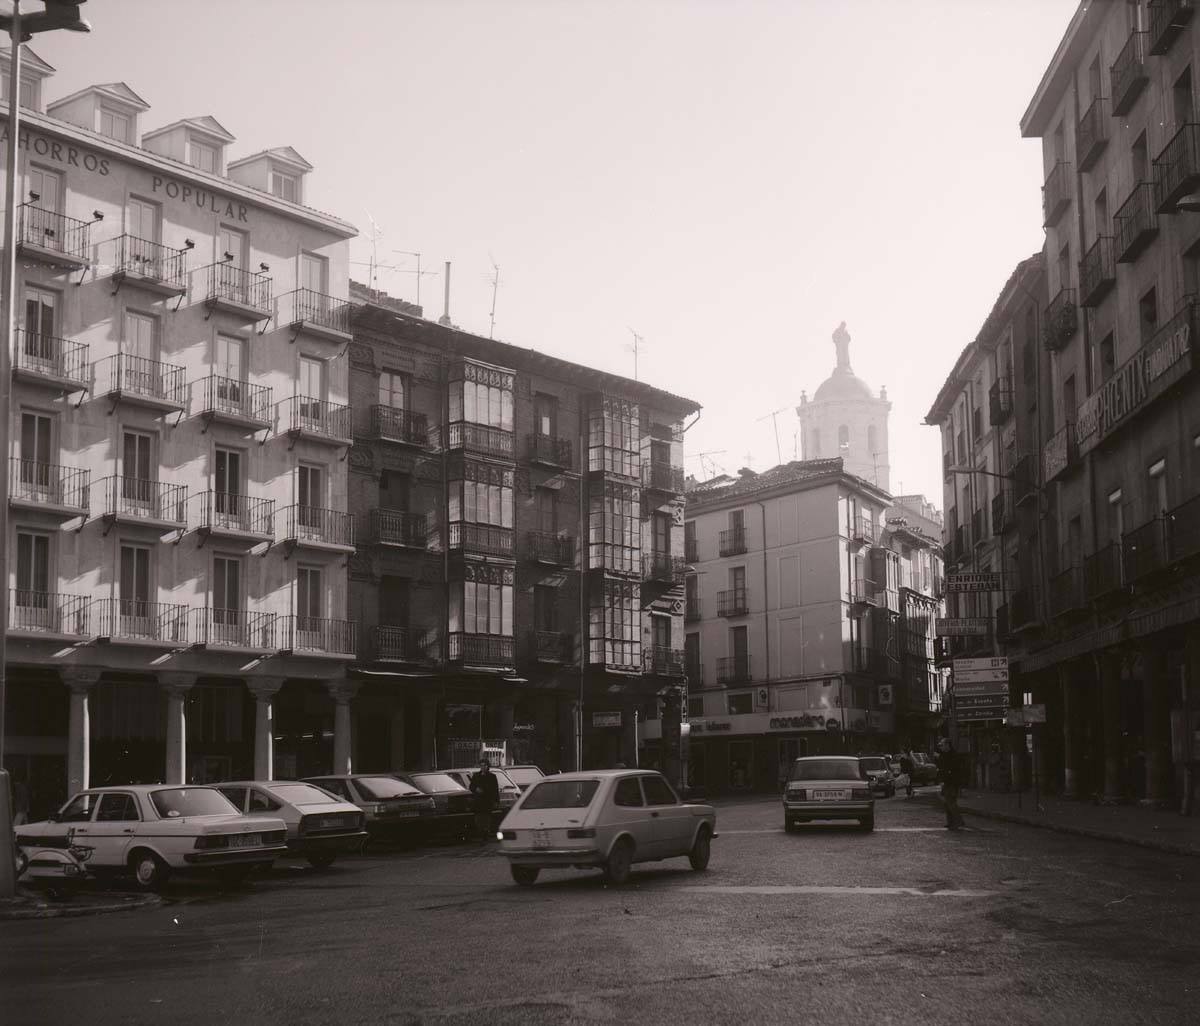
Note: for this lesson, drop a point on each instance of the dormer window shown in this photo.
(116, 125)
(202, 156)
(29, 92)
(286, 187)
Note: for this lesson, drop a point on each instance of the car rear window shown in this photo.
(171, 803)
(873, 764)
(524, 774)
(378, 788)
(826, 769)
(561, 794)
(301, 794)
(433, 782)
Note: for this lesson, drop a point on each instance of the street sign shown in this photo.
(980, 688)
(965, 715)
(999, 676)
(981, 663)
(606, 719)
(1034, 713)
(980, 701)
(963, 626)
(973, 582)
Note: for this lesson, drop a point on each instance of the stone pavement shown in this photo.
(31, 904)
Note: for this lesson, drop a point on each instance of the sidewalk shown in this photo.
(1164, 830)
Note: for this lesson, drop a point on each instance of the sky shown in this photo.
(729, 179)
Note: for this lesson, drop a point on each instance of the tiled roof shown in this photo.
(795, 472)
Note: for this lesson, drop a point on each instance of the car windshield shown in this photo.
(825, 769)
(172, 803)
(873, 764)
(432, 783)
(384, 787)
(561, 794)
(506, 784)
(302, 794)
(524, 774)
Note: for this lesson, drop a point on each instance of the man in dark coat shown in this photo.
(485, 791)
(950, 773)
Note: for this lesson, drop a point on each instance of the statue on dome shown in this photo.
(841, 339)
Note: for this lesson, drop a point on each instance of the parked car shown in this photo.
(924, 769)
(608, 819)
(523, 776)
(319, 825)
(394, 809)
(827, 787)
(454, 812)
(509, 791)
(879, 774)
(154, 830)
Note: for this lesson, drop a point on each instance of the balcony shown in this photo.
(663, 568)
(1177, 168)
(550, 548)
(404, 644)
(1003, 512)
(398, 527)
(53, 238)
(662, 478)
(238, 291)
(733, 602)
(550, 647)
(135, 500)
(1144, 550)
(1062, 320)
(63, 492)
(317, 636)
(487, 650)
(1023, 609)
(663, 661)
(691, 609)
(1128, 76)
(1183, 530)
(150, 266)
(481, 539)
(240, 630)
(134, 622)
(1167, 20)
(48, 614)
(315, 313)
(479, 438)
(1092, 134)
(1097, 272)
(1065, 593)
(312, 527)
(864, 592)
(407, 427)
(45, 360)
(1060, 453)
(1025, 479)
(316, 420)
(1056, 193)
(237, 403)
(233, 517)
(732, 542)
(1102, 572)
(864, 529)
(549, 451)
(734, 670)
(1000, 402)
(142, 382)
(1135, 223)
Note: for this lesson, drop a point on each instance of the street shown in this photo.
(830, 925)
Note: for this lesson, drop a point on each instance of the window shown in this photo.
(1095, 79)
(33, 570)
(137, 471)
(37, 346)
(309, 598)
(1148, 314)
(739, 648)
(1070, 405)
(116, 125)
(47, 187)
(614, 444)
(695, 707)
(658, 791)
(545, 608)
(311, 390)
(484, 397)
(628, 794)
(140, 340)
(486, 605)
(1116, 518)
(546, 510)
(395, 490)
(227, 475)
(285, 186)
(80, 809)
(1140, 158)
(691, 591)
(1100, 208)
(310, 495)
(231, 247)
(485, 497)
(977, 424)
(661, 631)
(660, 534)
(1158, 487)
(393, 390)
(615, 625)
(36, 454)
(1107, 358)
(1181, 98)
(843, 437)
(134, 589)
(227, 589)
(229, 363)
(614, 527)
(260, 801)
(28, 91)
(142, 221)
(741, 704)
(691, 657)
(314, 273)
(395, 596)
(737, 584)
(689, 540)
(202, 156)
(545, 415)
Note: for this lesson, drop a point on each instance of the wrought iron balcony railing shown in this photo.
(550, 646)
(139, 379)
(234, 628)
(315, 525)
(1144, 549)
(393, 425)
(863, 528)
(547, 547)
(1128, 76)
(399, 527)
(48, 612)
(1092, 134)
(482, 539)
(136, 498)
(1135, 223)
(122, 619)
(316, 418)
(732, 542)
(1025, 478)
(315, 310)
(663, 567)
(1168, 18)
(151, 263)
(864, 592)
(549, 451)
(1000, 401)
(480, 438)
(1183, 529)
(662, 477)
(239, 400)
(733, 602)
(404, 644)
(231, 513)
(56, 359)
(1062, 320)
(316, 635)
(47, 484)
(1102, 572)
(1177, 168)
(663, 661)
(52, 236)
(239, 288)
(480, 649)
(734, 670)
(1097, 271)
(1056, 193)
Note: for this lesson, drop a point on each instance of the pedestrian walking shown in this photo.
(485, 791)
(906, 768)
(950, 773)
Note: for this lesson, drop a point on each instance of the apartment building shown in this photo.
(178, 533)
(519, 575)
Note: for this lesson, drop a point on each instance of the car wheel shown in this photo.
(321, 861)
(149, 871)
(526, 876)
(868, 822)
(701, 850)
(620, 862)
(20, 862)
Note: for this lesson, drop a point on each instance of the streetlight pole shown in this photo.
(58, 14)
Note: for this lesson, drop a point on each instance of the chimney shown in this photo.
(445, 318)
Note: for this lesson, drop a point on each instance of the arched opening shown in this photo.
(843, 438)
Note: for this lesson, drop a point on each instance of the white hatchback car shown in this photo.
(606, 819)
(152, 830)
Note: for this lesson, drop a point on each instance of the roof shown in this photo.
(114, 90)
(206, 123)
(795, 475)
(29, 59)
(843, 383)
(1057, 76)
(280, 154)
(603, 774)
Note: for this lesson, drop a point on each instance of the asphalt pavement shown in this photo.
(909, 924)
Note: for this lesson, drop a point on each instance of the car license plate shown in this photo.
(408, 812)
(328, 823)
(541, 838)
(245, 841)
(831, 796)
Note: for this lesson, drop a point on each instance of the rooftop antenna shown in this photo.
(774, 415)
(638, 344)
(495, 289)
(376, 235)
(708, 465)
(418, 272)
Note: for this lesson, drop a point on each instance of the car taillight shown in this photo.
(506, 835)
(214, 841)
(581, 832)
(798, 794)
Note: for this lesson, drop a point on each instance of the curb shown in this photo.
(35, 908)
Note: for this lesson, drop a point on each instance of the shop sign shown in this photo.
(710, 726)
(1055, 455)
(805, 721)
(973, 582)
(606, 719)
(524, 728)
(963, 626)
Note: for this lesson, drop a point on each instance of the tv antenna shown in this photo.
(708, 466)
(376, 235)
(774, 415)
(495, 289)
(418, 272)
(635, 347)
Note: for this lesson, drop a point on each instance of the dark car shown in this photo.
(454, 803)
(509, 792)
(395, 810)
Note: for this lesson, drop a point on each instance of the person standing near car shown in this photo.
(950, 772)
(485, 791)
(906, 768)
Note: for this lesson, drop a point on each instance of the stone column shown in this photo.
(177, 686)
(429, 706)
(343, 740)
(1070, 724)
(1110, 706)
(79, 740)
(1157, 729)
(264, 690)
(629, 731)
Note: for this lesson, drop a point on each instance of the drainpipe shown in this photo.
(766, 591)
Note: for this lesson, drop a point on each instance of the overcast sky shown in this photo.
(728, 178)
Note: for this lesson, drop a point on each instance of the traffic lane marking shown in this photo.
(855, 829)
(778, 889)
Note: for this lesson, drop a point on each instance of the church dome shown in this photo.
(843, 383)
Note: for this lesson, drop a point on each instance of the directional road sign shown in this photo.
(980, 701)
(982, 663)
(980, 676)
(965, 715)
(980, 688)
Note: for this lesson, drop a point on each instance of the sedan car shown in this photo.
(509, 791)
(154, 830)
(394, 810)
(453, 802)
(924, 769)
(524, 776)
(607, 819)
(827, 787)
(319, 825)
(879, 774)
